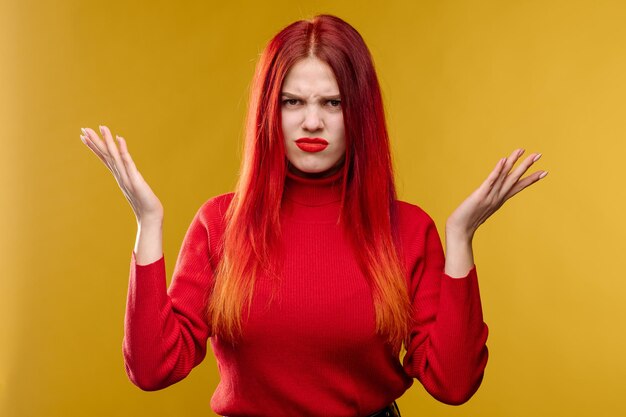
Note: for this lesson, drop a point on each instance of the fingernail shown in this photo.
(543, 174)
(82, 129)
(101, 130)
(536, 158)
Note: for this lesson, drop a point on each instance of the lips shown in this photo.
(312, 144)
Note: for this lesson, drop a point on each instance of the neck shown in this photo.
(313, 191)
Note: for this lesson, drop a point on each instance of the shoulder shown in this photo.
(418, 233)
(412, 216)
(217, 205)
(211, 213)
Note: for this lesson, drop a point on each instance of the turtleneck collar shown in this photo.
(313, 191)
(312, 200)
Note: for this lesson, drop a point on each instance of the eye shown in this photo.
(334, 103)
(290, 101)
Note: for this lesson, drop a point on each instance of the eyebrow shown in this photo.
(290, 95)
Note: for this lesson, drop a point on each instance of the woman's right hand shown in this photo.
(144, 202)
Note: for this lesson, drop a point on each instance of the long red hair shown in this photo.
(253, 222)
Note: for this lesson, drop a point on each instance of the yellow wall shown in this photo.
(465, 83)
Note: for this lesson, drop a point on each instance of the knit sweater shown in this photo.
(314, 352)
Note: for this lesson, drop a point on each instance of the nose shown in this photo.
(312, 120)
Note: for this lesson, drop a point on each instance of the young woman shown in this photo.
(311, 278)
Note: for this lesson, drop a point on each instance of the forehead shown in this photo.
(310, 76)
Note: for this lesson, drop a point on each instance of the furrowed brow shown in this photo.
(290, 95)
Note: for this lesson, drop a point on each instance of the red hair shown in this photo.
(253, 225)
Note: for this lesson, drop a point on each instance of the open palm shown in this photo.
(499, 186)
(143, 201)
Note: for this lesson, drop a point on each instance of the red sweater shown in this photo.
(315, 353)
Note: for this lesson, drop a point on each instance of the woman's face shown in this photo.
(311, 109)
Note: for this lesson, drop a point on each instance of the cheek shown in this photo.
(287, 131)
(288, 121)
(341, 131)
(284, 125)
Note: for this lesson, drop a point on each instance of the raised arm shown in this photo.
(165, 331)
(447, 349)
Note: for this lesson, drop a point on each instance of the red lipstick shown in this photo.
(312, 144)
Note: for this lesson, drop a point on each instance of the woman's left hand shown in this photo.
(491, 195)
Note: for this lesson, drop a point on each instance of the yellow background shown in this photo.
(464, 82)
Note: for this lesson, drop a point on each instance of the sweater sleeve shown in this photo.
(446, 350)
(166, 331)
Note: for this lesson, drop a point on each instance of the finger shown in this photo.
(129, 164)
(100, 146)
(134, 174)
(107, 152)
(136, 179)
(486, 188)
(493, 176)
(118, 165)
(525, 182)
(510, 161)
(125, 157)
(512, 179)
(87, 141)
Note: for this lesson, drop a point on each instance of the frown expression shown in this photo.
(311, 108)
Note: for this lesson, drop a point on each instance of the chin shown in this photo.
(315, 170)
(304, 169)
